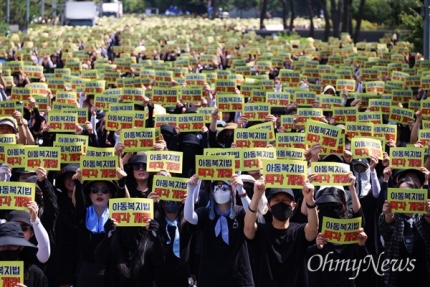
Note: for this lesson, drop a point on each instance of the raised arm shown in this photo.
(356, 205)
(311, 228)
(237, 185)
(250, 227)
(193, 187)
(43, 245)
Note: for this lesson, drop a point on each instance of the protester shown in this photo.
(14, 247)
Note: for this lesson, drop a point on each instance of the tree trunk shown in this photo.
(345, 16)
(263, 10)
(359, 18)
(292, 15)
(311, 18)
(335, 18)
(326, 19)
(284, 13)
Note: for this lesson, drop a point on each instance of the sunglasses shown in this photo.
(139, 166)
(25, 227)
(95, 189)
(223, 187)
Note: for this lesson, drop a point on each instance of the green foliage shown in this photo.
(133, 6)
(413, 22)
(376, 11)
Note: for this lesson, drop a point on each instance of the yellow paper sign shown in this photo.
(363, 147)
(7, 139)
(215, 167)
(70, 152)
(47, 157)
(164, 160)
(330, 173)
(11, 273)
(138, 139)
(250, 138)
(407, 200)
(290, 153)
(235, 152)
(60, 122)
(358, 129)
(324, 134)
(16, 195)
(131, 211)
(252, 158)
(389, 132)
(284, 173)
(294, 140)
(407, 157)
(170, 188)
(401, 115)
(230, 103)
(96, 168)
(119, 120)
(341, 231)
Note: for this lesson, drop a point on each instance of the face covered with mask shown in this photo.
(331, 202)
(362, 174)
(171, 206)
(9, 253)
(222, 192)
(281, 206)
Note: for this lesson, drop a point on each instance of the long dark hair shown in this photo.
(131, 181)
(408, 181)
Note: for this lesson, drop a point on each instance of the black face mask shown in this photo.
(281, 211)
(9, 255)
(332, 212)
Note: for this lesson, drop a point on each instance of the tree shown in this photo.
(412, 21)
(284, 13)
(311, 17)
(326, 19)
(263, 11)
(292, 15)
(358, 20)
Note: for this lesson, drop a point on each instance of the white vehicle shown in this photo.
(77, 13)
(112, 9)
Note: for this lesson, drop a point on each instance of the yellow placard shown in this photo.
(407, 157)
(250, 138)
(256, 111)
(284, 173)
(131, 211)
(100, 151)
(401, 115)
(190, 122)
(102, 101)
(94, 86)
(70, 139)
(14, 155)
(295, 140)
(389, 132)
(170, 188)
(133, 95)
(407, 200)
(138, 139)
(230, 103)
(12, 273)
(7, 139)
(215, 167)
(346, 84)
(60, 122)
(341, 231)
(281, 99)
(290, 153)
(47, 157)
(64, 97)
(165, 96)
(374, 117)
(363, 147)
(97, 168)
(119, 120)
(252, 158)
(164, 160)
(70, 152)
(235, 152)
(330, 173)
(7, 108)
(192, 94)
(20, 94)
(345, 114)
(16, 195)
(326, 135)
(304, 114)
(358, 129)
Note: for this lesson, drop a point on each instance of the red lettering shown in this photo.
(21, 201)
(225, 173)
(10, 281)
(108, 173)
(340, 178)
(140, 217)
(243, 143)
(75, 156)
(130, 143)
(34, 163)
(139, 123)
(332, 235)
(259, 144)
(50, 163)
(5, 200)
(414, 162)
(206, 172)
(397, 205)
(416, 206)
(88, 173)
(173, 166)
(146, 142)
(179, 194)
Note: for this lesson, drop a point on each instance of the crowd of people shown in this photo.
(235, 232)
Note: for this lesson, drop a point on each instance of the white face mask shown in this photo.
(221, 196)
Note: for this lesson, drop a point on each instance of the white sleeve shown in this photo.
(189, 214)
(43, 245)
(245, 200)
(376, 187)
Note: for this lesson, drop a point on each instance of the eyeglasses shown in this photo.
(95, 189)
(139, 166)
(25, 227)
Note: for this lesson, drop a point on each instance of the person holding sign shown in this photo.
(407, 242)
(91, 202)
(332, 205)
(281, 244)
(14, 247)
(224, 251)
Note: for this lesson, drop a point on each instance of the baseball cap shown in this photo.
(274, 191)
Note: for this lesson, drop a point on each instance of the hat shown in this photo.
(10, 123)
(333, 157)
(224, 181)
(20, 215)
(362, 161)
(191, 139)
(70, 168)
(330, 194)
(168, 129)
(273, 191)
(11, 234)
(138, 158)
(220, 123)
(112, 186)
(328, 87)
(401, 173)
(247, 178)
